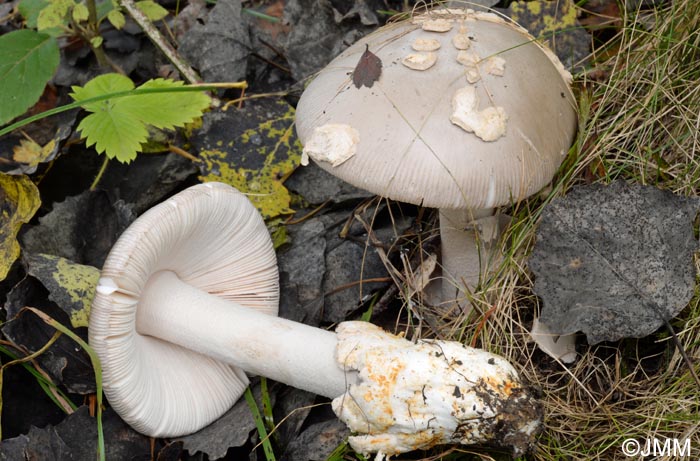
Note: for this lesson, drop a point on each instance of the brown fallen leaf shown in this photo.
(368, 70)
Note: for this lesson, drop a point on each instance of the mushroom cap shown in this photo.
(213, 238)
(406, 143)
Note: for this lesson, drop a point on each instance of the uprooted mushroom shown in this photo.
(187, 303)
(470, 113)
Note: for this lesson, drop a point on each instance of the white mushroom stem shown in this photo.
(394, 395)
(289, 352)
(467, 237)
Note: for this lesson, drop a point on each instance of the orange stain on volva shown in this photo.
(502, 387)
(380, 391)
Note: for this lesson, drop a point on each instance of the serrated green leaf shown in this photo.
(103, 84)
(110, 128)
(118, 127)
(28, 59)
(116, 18)
(152, 10)
(167, 110)
(54, 15)
(114, 131)
(80, 12)
(30, 9)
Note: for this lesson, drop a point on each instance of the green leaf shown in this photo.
(103, 9)
(118, 127)
(30, 9)
(152, 10)
(55, 14)
(19, 200)
(116, 18)
(111, 128)
(103, 84)
(28, 60)
(96, 42)
(115, 132)
(167, 110)
(80, 12)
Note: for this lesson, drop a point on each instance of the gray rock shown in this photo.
(319, 33)
(347, 265)
(302, 267)
(317, 442)
(318, 186)
(82, 228)
(615, 261)
(291, 411)
(233, 429)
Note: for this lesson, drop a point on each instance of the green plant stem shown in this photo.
(22, 360)
(100, 173)
(258, 14)
(93, 31)
(92, 13)
(48, 386)
(266, 405)
(260, 425)
(97, 367)
(119, 94)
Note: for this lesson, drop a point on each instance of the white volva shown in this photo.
(415, 395)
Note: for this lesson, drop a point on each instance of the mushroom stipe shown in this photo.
(187, 304)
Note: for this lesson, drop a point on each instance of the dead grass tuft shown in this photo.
(640, 121)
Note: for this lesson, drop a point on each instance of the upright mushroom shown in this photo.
(186, 305)
(470, 113)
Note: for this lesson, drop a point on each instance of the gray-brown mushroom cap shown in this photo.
(213, 238)
(400, 137)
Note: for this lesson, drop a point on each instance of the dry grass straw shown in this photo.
(640, 121)
(643, 119)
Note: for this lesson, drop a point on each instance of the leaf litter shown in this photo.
(19, 200)
(64, 363)
(71, 286)
(320, 271)
(253, 149)
(615, 261)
